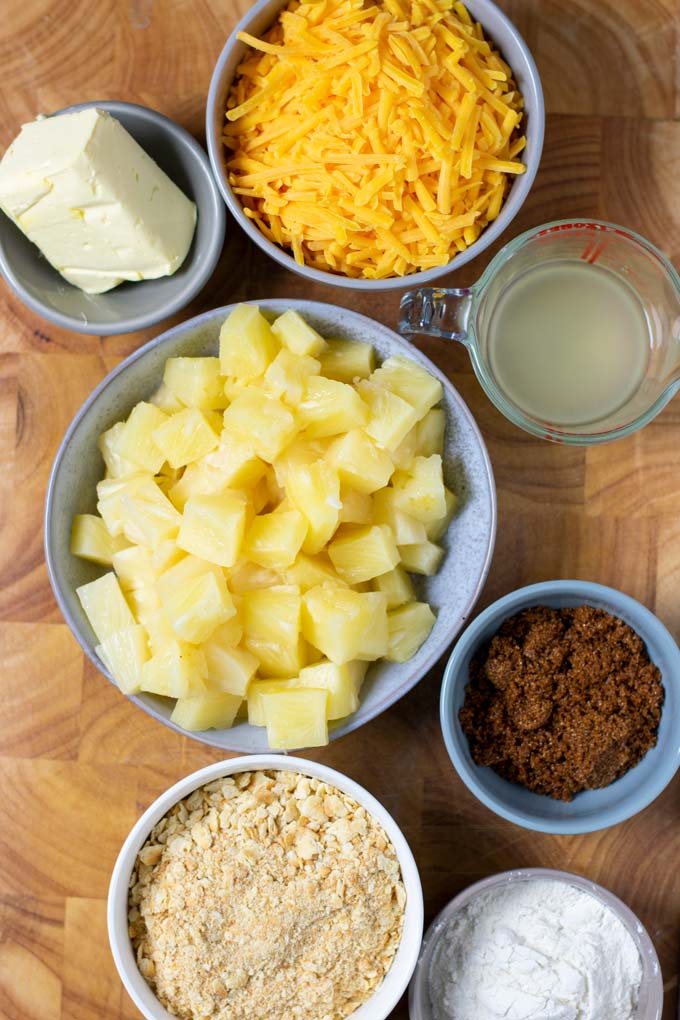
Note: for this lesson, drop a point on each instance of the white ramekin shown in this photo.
(386, 996)
(650, 1004)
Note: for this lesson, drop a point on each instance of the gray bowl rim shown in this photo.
(509, 210)
(631, 921)
(275, 303)
(500, 610)
(194, 285)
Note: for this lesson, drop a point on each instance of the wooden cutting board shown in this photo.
(78, 763)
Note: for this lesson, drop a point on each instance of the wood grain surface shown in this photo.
(78, 763)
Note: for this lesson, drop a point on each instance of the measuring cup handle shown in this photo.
(435, 311)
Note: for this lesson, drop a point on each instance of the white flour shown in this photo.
(535, 950)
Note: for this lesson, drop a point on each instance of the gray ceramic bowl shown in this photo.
(515, 51)
(452, 592)
(650, 1001)
(592, 809)
(130, 306)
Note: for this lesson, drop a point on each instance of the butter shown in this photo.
(98, 207)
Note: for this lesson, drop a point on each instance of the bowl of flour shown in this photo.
(536, 944)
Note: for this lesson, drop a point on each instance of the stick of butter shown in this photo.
(98, 207)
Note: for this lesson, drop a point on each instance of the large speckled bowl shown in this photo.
(452, 592)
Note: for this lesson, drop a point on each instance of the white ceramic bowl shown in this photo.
(386, 996)
(452, 592)
(650, 1004)
(499, 29)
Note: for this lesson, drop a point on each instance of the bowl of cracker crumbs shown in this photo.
(374, 146)
(265, 887)
(560, 707)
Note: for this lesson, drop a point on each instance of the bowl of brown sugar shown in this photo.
(560, 707)
(265, 887)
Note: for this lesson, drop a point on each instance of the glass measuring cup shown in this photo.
(465, 315)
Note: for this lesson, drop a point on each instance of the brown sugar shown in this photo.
(562, 700)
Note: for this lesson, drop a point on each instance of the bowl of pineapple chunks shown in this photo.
(267, 524)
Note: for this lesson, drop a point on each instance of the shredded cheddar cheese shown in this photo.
(373, 138)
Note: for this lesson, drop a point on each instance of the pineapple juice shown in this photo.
(568, 342)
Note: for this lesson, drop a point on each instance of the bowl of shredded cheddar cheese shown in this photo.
(374, 143)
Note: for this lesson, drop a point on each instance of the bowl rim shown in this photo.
(511, 206)
(209, 258)
(506, 606)
(631, 922)
(189, 325)
(117, 896)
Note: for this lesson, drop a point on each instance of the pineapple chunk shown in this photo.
(124, 653)
(406, 529)
(213, 527)
(230, 670)
(419, 491)
(408, 626)
(264, 422)
(177, 671)
(288, 375)
(389, 417)
(274, 540)
(396, 586)
(142, 601)
(195, 598)
(231, 465)
(159, 633)
(136, 507)
(271, 629)
(421, 558)
(431, 433)
(297, 335)
(361, 553)
(255, 703)
(91, 540)
(357, 507)
(133, 568)
(404, 454)
(206, 711)
(166, 555)
(343, 684)
(110, 492)
(309, 571)
(329, 408)
(435, 529)
(228, 634)
(136, 441)
(116, 466)
(345, 624)
(301, 451)
(104, 605)
(185, 436)
(166, 400)
(148, 517)
(197, 382)
(314, 490)
(410, 382)
(247, 344)
(359, 463)
(245, 576)
(296, 718)
(347, 360)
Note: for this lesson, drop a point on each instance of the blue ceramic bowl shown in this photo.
(592, 809)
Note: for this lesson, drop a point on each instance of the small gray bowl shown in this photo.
(499, 29)
(650, 1000)
(591, 809)
(453, 591)
(130, 306)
